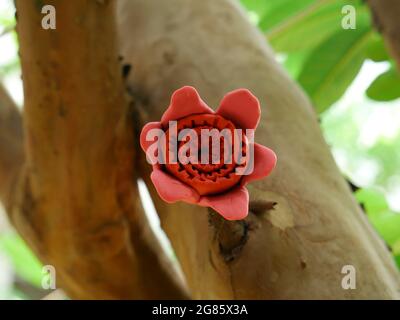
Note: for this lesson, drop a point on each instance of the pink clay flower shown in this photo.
(211, 185)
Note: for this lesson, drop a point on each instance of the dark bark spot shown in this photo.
(62, 111)
(126, 69)
(259, 207)
(39, 5)
(169, 58)
(103, 2)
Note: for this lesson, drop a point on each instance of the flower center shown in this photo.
(212, 149)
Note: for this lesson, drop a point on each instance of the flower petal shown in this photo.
(171, 189)
(143, 134)
(264, 163)
(242, 108)
(232, 205)
(184, 102)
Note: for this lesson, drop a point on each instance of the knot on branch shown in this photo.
(230, 236)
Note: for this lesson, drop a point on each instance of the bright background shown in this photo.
(350, 79)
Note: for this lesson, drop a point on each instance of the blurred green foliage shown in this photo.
(26, 265)
(383, 219)
(386, 86)
(332, 66)
(322, 56)
(7, 23)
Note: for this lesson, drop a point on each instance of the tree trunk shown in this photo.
(304, 224)
(77, 202)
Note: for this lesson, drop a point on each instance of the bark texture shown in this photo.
(304, 224)
(386, 15)
(77, 202)
(11, 148)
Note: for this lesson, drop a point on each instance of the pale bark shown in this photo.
(386, 17)
(304, 224)
(77, 202)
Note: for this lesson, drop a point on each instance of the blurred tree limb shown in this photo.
(11, 149)
(76, 202)
(386, 15)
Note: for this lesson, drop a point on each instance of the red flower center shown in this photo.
(218, 174)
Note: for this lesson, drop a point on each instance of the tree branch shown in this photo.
(304, 224)
(11, 149)
(386, 15)
(78, 204)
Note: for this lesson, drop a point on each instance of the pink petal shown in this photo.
(143, 141)
(264, 163)
(232, 205)
(171, 189)
(242, 108)
(184, 102)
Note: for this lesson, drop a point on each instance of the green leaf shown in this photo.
(396, 247)
(376, 50)
(385, 221)
(294, 62)
(385, 87)
(373, 200)
(397, 260)
(332, 67)
(257, 6)
(26, 265)
(279, 12)
(303, 25)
